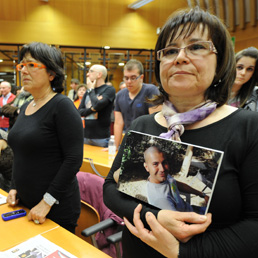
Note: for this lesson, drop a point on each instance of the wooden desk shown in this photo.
(100, 159)
(16, 231)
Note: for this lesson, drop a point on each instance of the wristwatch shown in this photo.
(49, 199)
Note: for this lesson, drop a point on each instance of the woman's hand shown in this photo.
(39, 212)
(183, 225)
(158, 238)
(11, 198)
(3, 145)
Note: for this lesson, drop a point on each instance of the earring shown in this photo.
(215, 85)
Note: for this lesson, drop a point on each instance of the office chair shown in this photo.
(91, 191)
(89, 216)
(114, 239)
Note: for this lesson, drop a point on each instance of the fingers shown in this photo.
(137, 222)
(183, 225)
(155, 226)
(191, 217)
(11, 198)
(131, 228)
(39, 212)
(189, 230)
(136, 218)
(35, 217)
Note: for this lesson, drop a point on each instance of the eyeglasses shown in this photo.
(92, 71)
(132, 79)
(200, 48)
(30, 65)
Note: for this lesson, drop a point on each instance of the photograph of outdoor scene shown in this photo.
(168, 174)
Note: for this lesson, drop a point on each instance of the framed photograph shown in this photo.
(168, 174)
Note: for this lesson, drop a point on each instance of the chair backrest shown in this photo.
(88, 217)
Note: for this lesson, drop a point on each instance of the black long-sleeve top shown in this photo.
(233, 232)
(48, 152)
(101, 99)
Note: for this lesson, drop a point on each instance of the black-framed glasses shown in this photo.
(30, 65)
(132, 79)
(199, 48)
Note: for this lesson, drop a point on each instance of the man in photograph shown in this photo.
(163, 191)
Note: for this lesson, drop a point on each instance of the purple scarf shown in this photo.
(176, 120)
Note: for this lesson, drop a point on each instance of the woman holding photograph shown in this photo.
(195, 68)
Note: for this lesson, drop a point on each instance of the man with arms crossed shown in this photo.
(96, 106)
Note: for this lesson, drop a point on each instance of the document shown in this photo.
(2, 199)
(36, 247)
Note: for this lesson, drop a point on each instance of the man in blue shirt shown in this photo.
(131, 102)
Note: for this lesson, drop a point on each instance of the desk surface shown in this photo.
(100, 158)
(16, 231)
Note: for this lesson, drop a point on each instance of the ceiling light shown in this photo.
(88, 63)
(138, 4)
(107, 47)
(1, 60)
(121, 64)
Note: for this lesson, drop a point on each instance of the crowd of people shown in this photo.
(206, 96)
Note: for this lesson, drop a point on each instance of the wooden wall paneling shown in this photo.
(203, 4)
(211, 6)
(222, 10)
(12, 10)
(191, 3)
(241, 14)
(231, 15)
(165, 8)
(196, 2)
(253, 12)
(95, 12)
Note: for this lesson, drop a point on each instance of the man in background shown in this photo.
(96, 107)
(7, 97)
(72, 93)
(131, 102)
(122, 85)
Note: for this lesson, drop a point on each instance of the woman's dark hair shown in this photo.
(51, 57)
(185, 23)
(246, 90)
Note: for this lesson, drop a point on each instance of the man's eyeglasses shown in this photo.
(132, 79)
(200, 48)
(92, 71)
(30, 65)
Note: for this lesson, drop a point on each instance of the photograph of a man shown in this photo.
(163, 191)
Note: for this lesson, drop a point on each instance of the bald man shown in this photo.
(162, 188)
(6, 97)
(96, 107)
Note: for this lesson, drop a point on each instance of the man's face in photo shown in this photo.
(157, 166)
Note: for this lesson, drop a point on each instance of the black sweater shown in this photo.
(48, 152)
(234, 206)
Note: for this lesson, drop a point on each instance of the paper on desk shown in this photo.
(2, 199)
(36, 247)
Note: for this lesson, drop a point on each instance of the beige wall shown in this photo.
(84, 22)
(98, 22)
